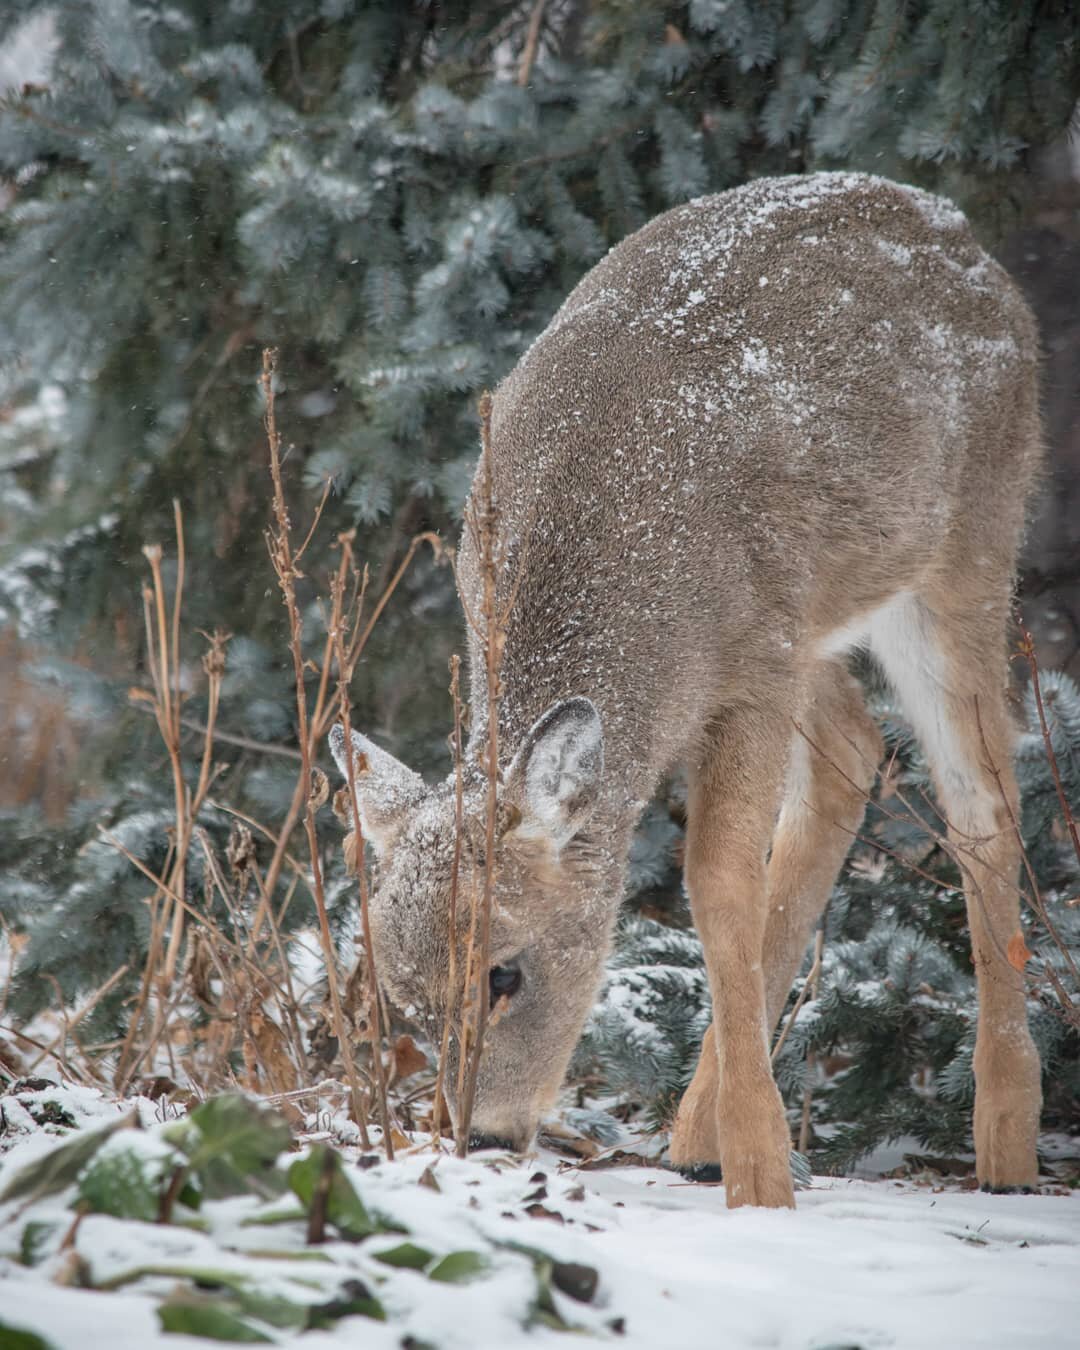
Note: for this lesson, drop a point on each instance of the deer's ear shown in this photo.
(555, 776)
(386, 790)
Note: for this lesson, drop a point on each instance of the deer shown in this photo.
(772, 428)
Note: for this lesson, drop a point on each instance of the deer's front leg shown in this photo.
(734, 793)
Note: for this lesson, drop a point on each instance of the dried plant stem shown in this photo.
(324, 710)
(809, 983)
(72, 1022)
(1067, 1005)
(532, 42)
(66, 1070)
(455, 878)
(1027, 649)
(168, 906)
(374, 1021)
(281, 555)
(290, 1005)
(955, 843)
(814, 981)
(285, 998)
(166, 698)
(482, 521)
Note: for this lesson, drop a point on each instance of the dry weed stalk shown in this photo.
(961, 849)
(1027, 651)
(532, 43)
(481, 520)
(57, 1046)
(809, 984)
(338, 628)
(455, 875)
(234, 979)
(324, 707)
(316, 787)
(1067, 1002)
(167, 905)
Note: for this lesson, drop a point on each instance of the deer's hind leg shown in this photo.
(831, 762)
(944, 656)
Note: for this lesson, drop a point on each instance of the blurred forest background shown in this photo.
(398, 195)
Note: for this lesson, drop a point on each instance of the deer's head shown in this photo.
(550, 912)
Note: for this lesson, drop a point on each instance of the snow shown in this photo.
(871, 1264)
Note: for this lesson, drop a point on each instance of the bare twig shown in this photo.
(1027, 649)
(455, 875)
(280, 548)
(532, 42)
(71, 1022)
(808, 983)
(322, 716)
(374, 1021)
(482, 521)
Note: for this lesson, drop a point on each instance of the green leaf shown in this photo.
(277, 1311)
(126, 1182)
(33, 1241)
(407, 1254)
(203, 1317)
(459, 1268)
(543, 1309)
(18, 1338)
(241, 1301)
(321, 1173)
(353, 1300)
(60, 1167)
(232, 1144)
(206, 1276)
(272, 1216)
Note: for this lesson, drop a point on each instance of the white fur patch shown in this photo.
(900, 634)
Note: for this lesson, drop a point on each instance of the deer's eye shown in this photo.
(503, 982)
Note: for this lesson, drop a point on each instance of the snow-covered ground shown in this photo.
(860, 1263)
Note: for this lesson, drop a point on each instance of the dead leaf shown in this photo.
(350, 848)
(341, 806)
(240, 852)
(72, 1271)
(408, 1058)
(555, 1136)
(1017, 951)
(320, 789)
(542, 1212)
(427, 1178)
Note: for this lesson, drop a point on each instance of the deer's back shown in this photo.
(753, 420)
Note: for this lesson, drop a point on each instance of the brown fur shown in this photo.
(771, 426)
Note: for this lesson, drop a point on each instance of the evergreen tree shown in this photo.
(398, 195)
